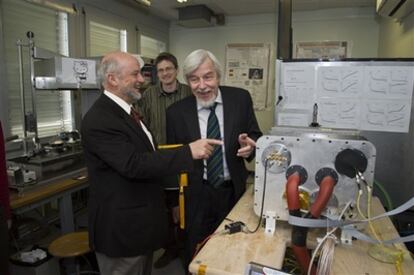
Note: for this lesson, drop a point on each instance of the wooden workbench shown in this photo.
(60, 190)
(229, 254)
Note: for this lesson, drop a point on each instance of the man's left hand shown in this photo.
(247, 146)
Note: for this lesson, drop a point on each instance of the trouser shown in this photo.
(139, 265)
(213, 206)
(4, 243)
(174, 240)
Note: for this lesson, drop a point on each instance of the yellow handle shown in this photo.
(183, 179)
(169, 146)
(181, 207)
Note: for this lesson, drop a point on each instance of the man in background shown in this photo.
(127, 213)
(154, 103)
(224, 113)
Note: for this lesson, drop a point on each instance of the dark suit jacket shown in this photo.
(127, 215)
(239, 117)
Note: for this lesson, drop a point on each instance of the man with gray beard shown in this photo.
(225, 113)
(127, 213)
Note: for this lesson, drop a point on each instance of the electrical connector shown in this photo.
(234, 227)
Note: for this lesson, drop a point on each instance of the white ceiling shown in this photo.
(167, 9)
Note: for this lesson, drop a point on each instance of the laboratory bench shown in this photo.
(230, 254)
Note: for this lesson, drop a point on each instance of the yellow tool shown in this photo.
(183, 182)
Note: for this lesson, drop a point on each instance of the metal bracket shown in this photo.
(270, 221)
(346, 236)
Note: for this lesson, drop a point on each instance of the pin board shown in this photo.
(247, 67)
(373, 95)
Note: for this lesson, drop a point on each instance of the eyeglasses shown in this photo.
(166, 70)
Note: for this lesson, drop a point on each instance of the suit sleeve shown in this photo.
(252, 125)
(110, 146)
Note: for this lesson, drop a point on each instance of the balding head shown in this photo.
(120, 74)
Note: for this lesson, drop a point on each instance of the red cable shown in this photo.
(325, 192)
(303, 258)
(292, 191)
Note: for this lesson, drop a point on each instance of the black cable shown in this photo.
(263, 198)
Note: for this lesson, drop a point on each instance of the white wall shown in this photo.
(396, 38)
(359, 26)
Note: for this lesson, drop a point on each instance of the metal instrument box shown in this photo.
(313, 149)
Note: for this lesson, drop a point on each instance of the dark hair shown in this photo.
(166, 56)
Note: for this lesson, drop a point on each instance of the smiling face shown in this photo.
(166, 72)
(204, 83)
(127, 80)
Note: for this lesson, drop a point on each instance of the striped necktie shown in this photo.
(215, 170)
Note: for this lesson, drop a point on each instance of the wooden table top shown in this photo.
(229, 254)
(44, 191)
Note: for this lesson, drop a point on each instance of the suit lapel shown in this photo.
(128, 120)
(228, 116)
(191, 119)
(139, 131)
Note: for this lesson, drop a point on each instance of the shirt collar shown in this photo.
(122, 103)
(218, 99)
(163, 93)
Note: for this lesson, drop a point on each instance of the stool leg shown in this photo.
(77, 267)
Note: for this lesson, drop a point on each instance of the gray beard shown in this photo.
(134, 96)
(206, 104)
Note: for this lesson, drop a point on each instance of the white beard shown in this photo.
(206, 104)
(134, 96)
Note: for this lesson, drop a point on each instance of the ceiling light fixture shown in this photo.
(181, 1)
(144, 2)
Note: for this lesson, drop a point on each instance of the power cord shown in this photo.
(263, 198)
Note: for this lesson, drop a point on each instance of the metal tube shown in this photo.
(22, 97)
(32, 82)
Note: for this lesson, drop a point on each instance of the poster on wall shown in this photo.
(332, 50)
(247, 67)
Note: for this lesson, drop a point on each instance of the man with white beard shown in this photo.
(222, 112)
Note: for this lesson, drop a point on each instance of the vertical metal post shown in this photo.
(284, 30)
(30, 35)
(22, 95)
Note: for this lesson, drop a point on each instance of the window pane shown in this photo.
(151, 47)
(104, 39)
(50, 32)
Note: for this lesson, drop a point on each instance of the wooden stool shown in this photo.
(71, 245)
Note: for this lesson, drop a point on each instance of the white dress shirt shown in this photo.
(127, 108)
(203, 114)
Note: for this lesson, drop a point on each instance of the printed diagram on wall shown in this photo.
(334, 112)
(392, 115)
(247, 67)
(340, 81)
(299, 87)
(385, 82)
(353, 95)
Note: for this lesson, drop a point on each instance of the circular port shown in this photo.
(277, 157)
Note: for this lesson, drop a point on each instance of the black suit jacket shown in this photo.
(239, 117)
(127, 214)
